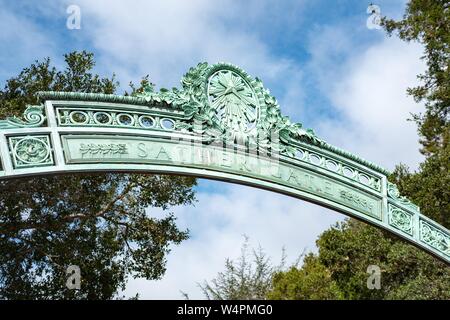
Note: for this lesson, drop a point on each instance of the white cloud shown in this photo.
(369, 95)
(165, 38)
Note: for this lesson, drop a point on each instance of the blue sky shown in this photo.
(326, 68)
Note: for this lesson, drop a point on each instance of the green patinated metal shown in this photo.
(221, 124)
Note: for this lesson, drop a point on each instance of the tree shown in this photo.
(339, 270)
(406, 272)
(311, 282)
(347, 249)
(99, 222)
(250, 278)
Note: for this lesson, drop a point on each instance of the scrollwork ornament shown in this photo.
(434, 237)
(394, 193)
(33, 115)
(275, 122)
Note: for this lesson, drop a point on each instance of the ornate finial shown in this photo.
(226, 102)
(393, 192)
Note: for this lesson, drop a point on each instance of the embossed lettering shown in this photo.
(162, 151)
(226, 161)
(142, 152)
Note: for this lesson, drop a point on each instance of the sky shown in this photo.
(327, 69)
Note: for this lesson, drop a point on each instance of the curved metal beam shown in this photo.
(222, 125)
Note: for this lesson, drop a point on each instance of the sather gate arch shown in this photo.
(221, 124)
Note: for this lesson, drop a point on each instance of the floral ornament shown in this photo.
(169, 97)
(235, 104)
(281, 130)
(222, 106)
(193, 83)
(147, 92)
(400, 219)
(31, 151)
(283, 123)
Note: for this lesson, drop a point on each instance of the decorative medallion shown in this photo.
(223, 103)
(234, 101)
(401, 219)
(31, 151)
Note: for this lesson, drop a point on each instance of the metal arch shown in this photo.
(222, 124)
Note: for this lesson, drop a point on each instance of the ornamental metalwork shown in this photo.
(395, 195)
(235, 103)
(95, 117)
(435, 237)
(33, 115)
(103, 149)
(356, 200)
(30, 151)
(221, 124)
(400, 219)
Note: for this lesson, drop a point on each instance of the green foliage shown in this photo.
(349, 248)
(428, 22)
(339, 270)
(100, 222)
(41, 76)
(311, 282)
